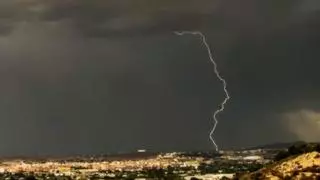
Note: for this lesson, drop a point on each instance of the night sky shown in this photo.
(98, 76)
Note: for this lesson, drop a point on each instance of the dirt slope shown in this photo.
(305, 166)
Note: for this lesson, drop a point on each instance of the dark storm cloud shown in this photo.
(127, 18)
(276, 69)
(110, 18)
(136, 84)
(5, 28)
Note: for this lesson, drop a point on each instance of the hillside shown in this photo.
(280, 145)
(304, 166)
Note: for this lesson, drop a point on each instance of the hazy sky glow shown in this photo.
(98, 76)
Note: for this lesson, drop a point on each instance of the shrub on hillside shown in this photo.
(297, 149)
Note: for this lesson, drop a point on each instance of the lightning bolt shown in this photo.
(216, 71)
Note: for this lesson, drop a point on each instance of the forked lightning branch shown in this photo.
(216, 71)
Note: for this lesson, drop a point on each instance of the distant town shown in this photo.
(140, 165)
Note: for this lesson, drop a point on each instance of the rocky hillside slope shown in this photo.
(305, 166)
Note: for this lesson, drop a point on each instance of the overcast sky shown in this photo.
(99, 76)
